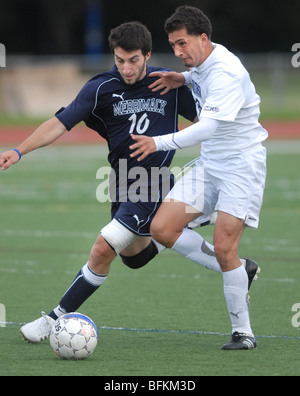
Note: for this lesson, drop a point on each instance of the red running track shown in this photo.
(12, 136)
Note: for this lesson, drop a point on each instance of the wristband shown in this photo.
(17, 151)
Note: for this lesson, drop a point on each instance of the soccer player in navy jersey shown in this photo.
(116, 104)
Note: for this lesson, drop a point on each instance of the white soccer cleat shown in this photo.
(38, 330)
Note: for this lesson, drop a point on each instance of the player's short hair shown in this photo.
(131, 36)
(193, 19)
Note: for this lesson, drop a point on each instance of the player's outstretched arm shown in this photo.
(187, 137)
(166, 81)
(44, 135)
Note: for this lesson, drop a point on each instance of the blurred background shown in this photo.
(53, 47)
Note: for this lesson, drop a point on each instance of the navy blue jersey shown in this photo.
(115, 109)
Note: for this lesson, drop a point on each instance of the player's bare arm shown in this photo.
(166, 81)
(44, 135)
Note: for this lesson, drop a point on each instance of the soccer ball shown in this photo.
(74, 336)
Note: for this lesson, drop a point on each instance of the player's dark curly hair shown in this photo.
(131, 36)
(193, 19)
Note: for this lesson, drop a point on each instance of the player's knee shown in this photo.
(101, 251)
(161, 233)
(225, 254)
(117, 236)
(142, 258)
(156, 230)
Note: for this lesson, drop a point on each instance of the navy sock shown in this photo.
(84, 285)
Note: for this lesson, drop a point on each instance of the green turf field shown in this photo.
(168, 318)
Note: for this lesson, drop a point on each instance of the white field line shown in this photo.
(170, 331)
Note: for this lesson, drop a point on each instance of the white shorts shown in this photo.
(234, 187)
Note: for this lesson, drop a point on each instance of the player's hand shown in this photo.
(144, 145)
(8, 159)
(166, 81)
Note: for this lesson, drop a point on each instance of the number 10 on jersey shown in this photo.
(139, 124)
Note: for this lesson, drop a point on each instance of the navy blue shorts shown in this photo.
(137, 216)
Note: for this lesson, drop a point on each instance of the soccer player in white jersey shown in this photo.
(229, 177)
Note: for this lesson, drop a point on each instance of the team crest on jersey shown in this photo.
(196, 89)
(139, 105)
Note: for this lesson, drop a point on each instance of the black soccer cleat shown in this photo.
(252, 270)
(240, 342)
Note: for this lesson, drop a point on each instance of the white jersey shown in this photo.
(231, 172)
(224, 92)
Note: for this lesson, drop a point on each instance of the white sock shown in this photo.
(91, 276)
(236, 293)
(59, 311)
(191, 245)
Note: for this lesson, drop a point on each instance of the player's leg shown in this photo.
(144, 249)
(168, 228)
(183, 205)
(227, 235)
(86, 282)
(91, 276)
(239, 204)
(113, 239)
